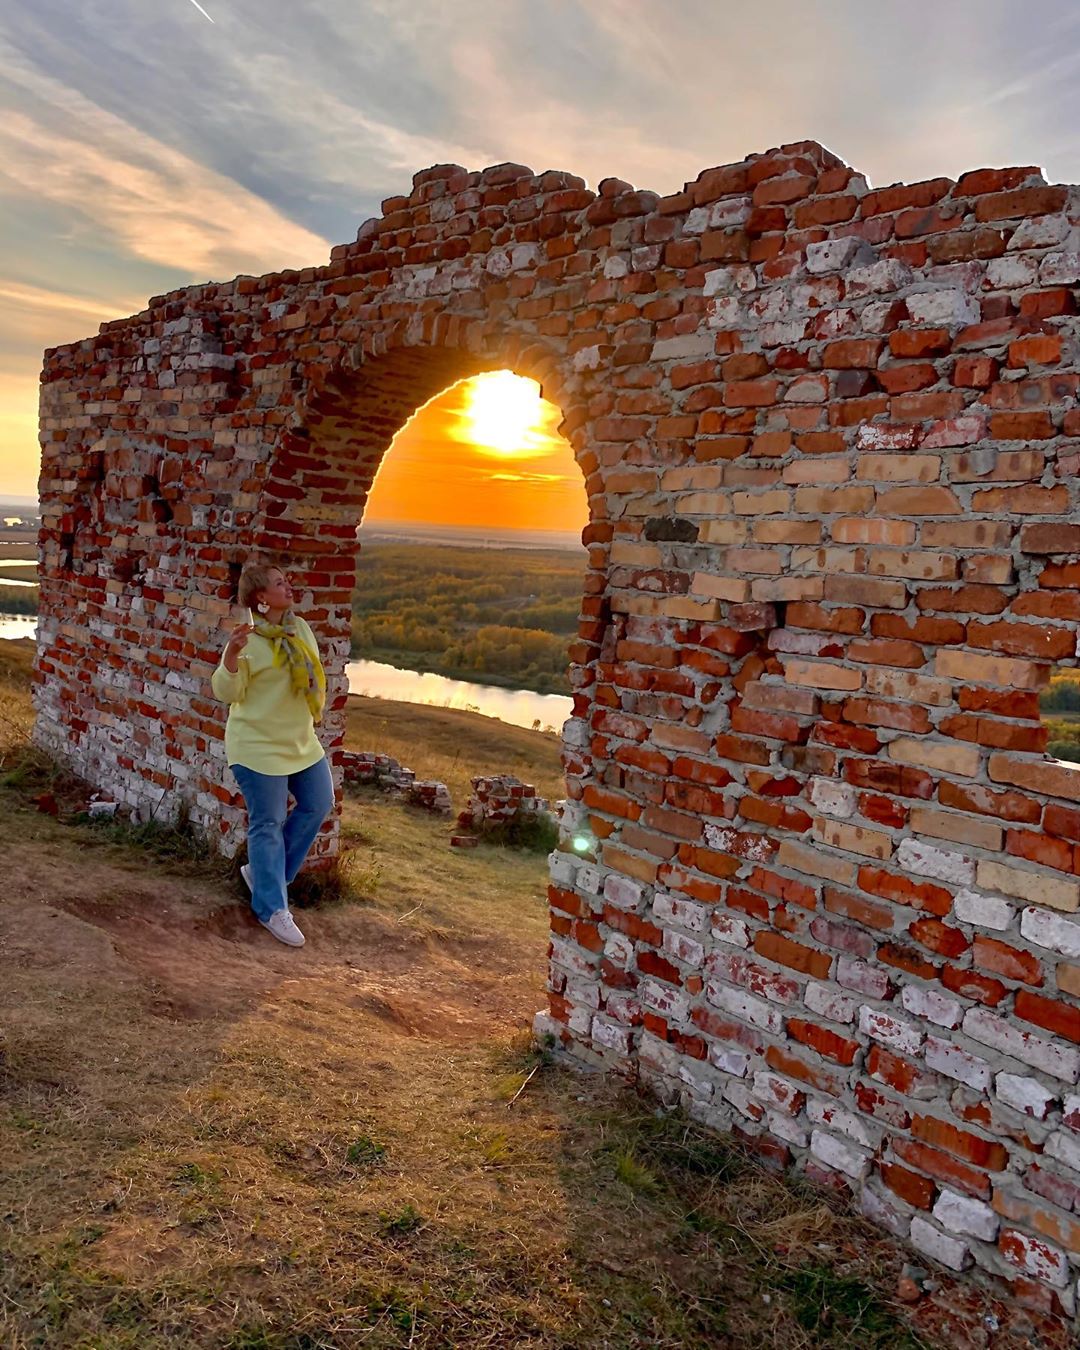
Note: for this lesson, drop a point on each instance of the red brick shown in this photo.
(1063, 1019)
(860, 910)
(910, 1186)
(787, 953)
(824, 1041)
(904, 891)
(990, 954)
(906, 958)
(783, 1061)
(896, 1072)
(942, 1167)
(851, 354)
(938, 937)
(968, 984)
(986, 802)
(1039, 848)
(1033, 201)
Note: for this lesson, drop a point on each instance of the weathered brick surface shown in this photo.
(830, 439)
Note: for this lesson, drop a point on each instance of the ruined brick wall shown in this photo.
(830, 440)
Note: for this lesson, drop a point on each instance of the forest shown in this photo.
(495, 616)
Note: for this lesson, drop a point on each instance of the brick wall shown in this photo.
(830, 438)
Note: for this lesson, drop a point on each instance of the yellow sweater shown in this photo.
(270, 728)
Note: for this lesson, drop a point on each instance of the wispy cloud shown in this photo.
(156, 202)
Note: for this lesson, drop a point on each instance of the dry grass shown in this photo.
(212, 1141)
(452, 745)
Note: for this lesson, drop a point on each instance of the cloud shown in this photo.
(154, 201)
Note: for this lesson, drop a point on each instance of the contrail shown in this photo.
(201, 10)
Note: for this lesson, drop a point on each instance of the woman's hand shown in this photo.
(236, 644)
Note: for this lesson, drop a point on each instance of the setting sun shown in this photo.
(486, 453)
(504, 414)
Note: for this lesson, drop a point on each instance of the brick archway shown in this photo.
(830, 438)
(323, 465)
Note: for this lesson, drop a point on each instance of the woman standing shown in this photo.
(271, 677)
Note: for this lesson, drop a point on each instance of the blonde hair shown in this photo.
(254, 578)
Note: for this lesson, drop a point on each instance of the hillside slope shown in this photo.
(210, 1140)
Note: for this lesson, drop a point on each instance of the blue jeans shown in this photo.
(279, 839)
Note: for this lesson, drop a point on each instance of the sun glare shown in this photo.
(505, 415)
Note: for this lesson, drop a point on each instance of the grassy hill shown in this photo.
(210, 1140)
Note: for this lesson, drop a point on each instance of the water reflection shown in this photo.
(14, 626)
(519, 707)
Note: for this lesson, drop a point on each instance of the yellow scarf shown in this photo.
(302, 658)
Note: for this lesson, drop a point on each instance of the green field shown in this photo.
(496, 616)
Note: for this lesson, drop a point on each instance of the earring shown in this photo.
(262, 608)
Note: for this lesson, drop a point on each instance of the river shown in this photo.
(519, 707)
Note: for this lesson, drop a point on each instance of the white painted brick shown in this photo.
(1060, 269)
(932, 1242)
(1070, 1111)
(945, 308)
(686, 913)
(984, 911)
(861, 978)
(1058, 932)
(1005, 274)
(827, 1113)
(673, 1004)
(940, 863)
(890, 1030)
(955, 1063)
(888, 275)
(621, 891)
(619, 950)
(1026, 1095)
(742, 1099)
(612, 1035)
(1038, 1258)
(787, 1129)
(777, 1091)
(1065, 1147)
(1040, 232)
(835, 799)
(838, 1154)
(697, 1077)
(590, 879)
(1059, 1061)
(736, 1062)
(685, 949)
(562, 868)
(659, 1055)
(580, 1021)
(834, 255)
(585, 992)
(826, 1002)
(571, 958)
(744, 1006)
(730, 930)
(931, 1005)
(879, 1211)
(962, 1214)
(623, 1007)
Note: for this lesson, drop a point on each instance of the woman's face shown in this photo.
(278, 594)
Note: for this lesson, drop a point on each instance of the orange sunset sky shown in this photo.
(484, 453)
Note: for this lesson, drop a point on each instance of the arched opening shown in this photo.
(359, 426)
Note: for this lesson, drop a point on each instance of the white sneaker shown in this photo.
(281, 925)
(245, 872)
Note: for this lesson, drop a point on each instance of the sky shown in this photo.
(145, 146)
